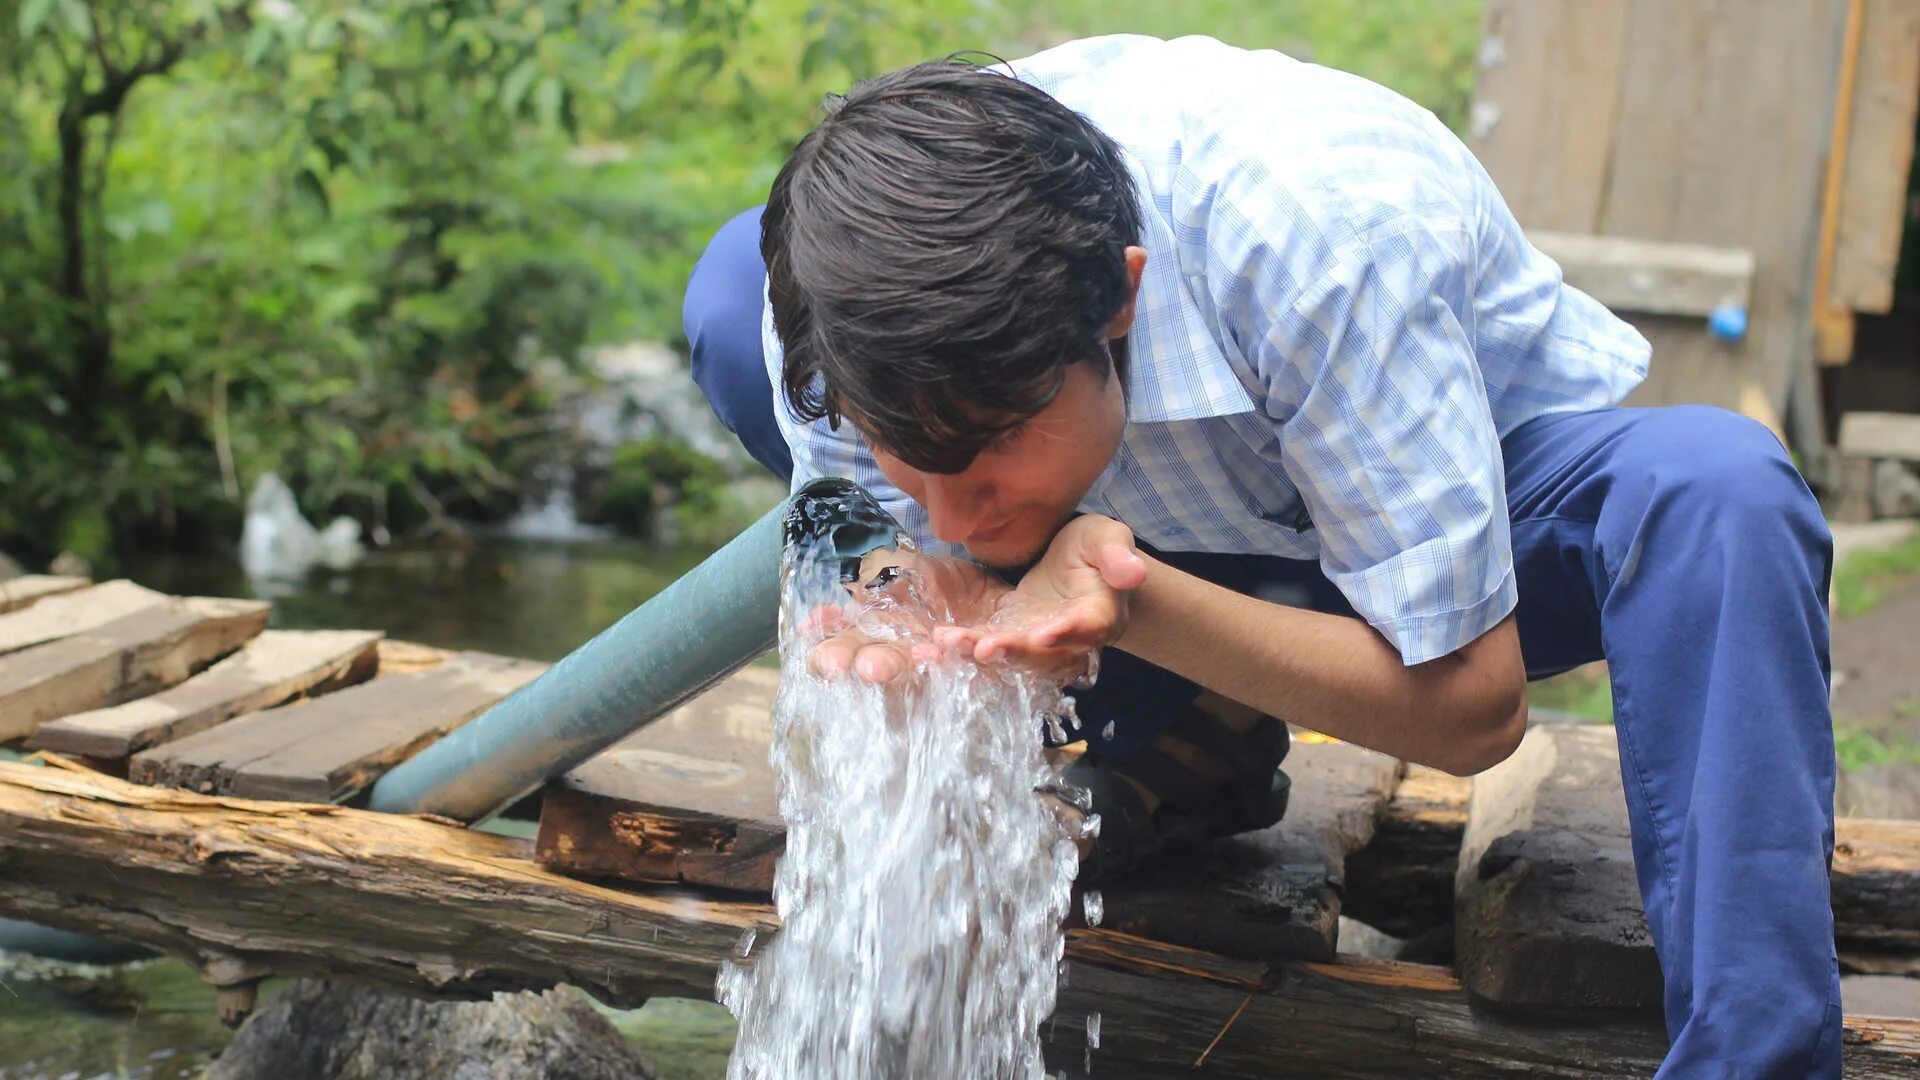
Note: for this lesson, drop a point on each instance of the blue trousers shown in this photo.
(1678, 544)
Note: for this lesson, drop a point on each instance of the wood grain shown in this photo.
(30, 589)
(74, 612)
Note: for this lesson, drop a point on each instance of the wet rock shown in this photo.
(318, 1029)
(1886, 790)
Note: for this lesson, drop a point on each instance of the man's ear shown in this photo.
(1122, 320)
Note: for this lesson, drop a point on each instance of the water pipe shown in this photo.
(703, 627)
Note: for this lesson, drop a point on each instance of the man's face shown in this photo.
(1006, 506)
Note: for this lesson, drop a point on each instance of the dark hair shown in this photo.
(939, 249)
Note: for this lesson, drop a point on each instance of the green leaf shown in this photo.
(546, 100)
(79, 21)
(513, 89)
(32, 14)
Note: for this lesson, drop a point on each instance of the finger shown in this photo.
(831, 657)
(1121, 567)
(823, 620)
(878, 663)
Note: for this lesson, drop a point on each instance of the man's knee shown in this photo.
(721, 315)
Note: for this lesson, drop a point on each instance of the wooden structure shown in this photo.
(1681, 155)
(653, 859)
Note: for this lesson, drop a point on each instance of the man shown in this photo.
(1170, 322)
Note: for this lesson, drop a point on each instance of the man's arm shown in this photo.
(1463, 712)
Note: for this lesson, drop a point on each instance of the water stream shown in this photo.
(927, 872)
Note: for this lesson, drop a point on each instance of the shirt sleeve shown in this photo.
(1386, 430)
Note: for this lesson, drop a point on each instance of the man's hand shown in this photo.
(912, 608)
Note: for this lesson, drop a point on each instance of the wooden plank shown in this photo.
(1880, 435)
(74, 613)
(1547, 913)
(1880, 151)
(1546, 103)
(1275, 893)
(331, 747)
(273, 668)
(242, 889)
(689, 798)
(135, 655)
(25, 591)
(1876, 895)
(1651, 276)
(1703, 152)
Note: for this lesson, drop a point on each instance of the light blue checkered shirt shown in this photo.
(1338, 321)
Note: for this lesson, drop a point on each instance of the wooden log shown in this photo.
(1275, 893)
(249, 888)
(273, 668)
(74, 612)
(30, 589)
(1879, 154)
(1876, 895)
(1402, 882)
(1547, 912)
(138, 654)
(689, 798)
(332, 747)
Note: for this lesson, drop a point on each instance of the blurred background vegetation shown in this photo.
(359, 243)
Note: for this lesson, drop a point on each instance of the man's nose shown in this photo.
(952, 508)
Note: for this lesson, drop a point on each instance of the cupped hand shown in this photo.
(911, 608)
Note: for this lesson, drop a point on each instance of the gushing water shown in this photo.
(927, 872)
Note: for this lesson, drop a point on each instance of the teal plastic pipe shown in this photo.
(702, 628)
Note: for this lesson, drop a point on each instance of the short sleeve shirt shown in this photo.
(1338, 321)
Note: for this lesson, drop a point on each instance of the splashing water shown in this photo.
(927, 873)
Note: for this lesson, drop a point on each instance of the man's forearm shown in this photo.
(1333, 674)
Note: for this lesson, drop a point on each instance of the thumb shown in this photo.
(1119, 562)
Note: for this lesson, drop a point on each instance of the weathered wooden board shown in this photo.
(1876, 895)
(1546, 103)
(133, 656)
(1873, 198)
(271, 669)
(243, 889)
(688, 798)
(73, 613)
(1880, 435)
(331, 747)
(1402, 882)
(1275, 893)
(1648, 276)
(22, 592)
(1547, 912)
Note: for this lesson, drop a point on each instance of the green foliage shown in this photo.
(1857, 747)
(353, 241)
(652, 475)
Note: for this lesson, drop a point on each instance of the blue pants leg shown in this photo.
(1683, 546)
(721, 314)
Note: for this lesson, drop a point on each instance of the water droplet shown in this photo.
(1090, 676)
(1090, 827)
(1056, 735)
(1072, 714)
(1094, 906)
(745, 948)
(1093, 1030)
(1106, 733)
(1060, 974)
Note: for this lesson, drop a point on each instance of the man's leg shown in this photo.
(721, 315)
(1682, 544)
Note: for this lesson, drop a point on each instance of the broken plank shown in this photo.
(24, 592)
(242, 889)
(271, 669)
(73, 613)
(1402, 882)
(1547, 909)
(1274, 893)
(688, 798)
(331, 747)
(138, 654)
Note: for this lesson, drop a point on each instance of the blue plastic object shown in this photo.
(1728, 322)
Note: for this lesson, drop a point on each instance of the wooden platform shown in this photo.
(181, 714)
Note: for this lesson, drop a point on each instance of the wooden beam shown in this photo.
(1876, 876)
(74, 612)
(1872, 211)
(26, 591)
(274, 667)
(243, 889)
(689, 798)
(331, 747)
(1880, 435)
(133, 656)
(1651, 277)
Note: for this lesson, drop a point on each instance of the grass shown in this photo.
(1861, 580)
(1858, 747)
(1584, 692)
